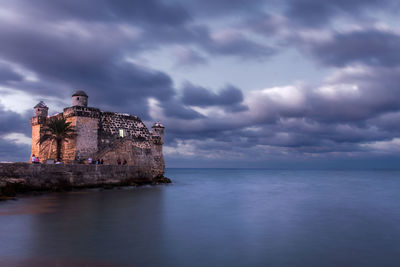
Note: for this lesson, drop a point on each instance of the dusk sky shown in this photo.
(237, 83)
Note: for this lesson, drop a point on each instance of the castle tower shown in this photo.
(37, 121)
(80, 98)
(85, 120)
(158, 132)
(157, 136)
(41, 110)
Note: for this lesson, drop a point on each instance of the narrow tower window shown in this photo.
(121, 132)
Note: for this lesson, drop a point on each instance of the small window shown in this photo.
(77, 98)
(122, 133)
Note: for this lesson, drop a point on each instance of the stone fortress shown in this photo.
(108, 136)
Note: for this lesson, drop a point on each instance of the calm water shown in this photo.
(213, 217)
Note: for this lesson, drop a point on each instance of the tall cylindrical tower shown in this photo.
(80, 98)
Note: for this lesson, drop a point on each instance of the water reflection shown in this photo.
(117, 223)
(214, 218)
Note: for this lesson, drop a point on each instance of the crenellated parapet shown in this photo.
(81, 111)
(110, 136)
(38, 120)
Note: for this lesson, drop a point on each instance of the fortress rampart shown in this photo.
(23, 177)
(129, 152)
(107, 136)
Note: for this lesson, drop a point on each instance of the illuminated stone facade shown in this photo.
(106, 136)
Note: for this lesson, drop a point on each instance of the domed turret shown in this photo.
(80, 98)
(41, 110)
(157, 125)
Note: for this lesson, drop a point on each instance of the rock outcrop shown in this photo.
(25, 177)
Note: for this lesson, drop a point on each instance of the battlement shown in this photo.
(81, 111)
(115, 137)
(37, 120)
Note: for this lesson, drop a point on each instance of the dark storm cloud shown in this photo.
(90, 45)
(153, 12)
(276, 138)
(228, 97)
(387, 122)
(265, 24)
(368, 93)
(240, 46)
(369, 47)
(222, 7)
(13, 122)
(199, 96)
(91, 62)
(71, 45)
(313, 13)
(7, 74)
(14, 152)
(354, 109)
(159, 24)
(126, 87)
(221, 43)
(326, 138)
(175, 109)
(188, 57)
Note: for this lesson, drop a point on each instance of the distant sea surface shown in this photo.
(212, 217)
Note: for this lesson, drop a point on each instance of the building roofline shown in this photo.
(41, 104)
(80, 93)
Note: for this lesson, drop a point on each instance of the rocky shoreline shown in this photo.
(20, 178)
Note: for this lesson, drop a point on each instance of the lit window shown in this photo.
(121, 132)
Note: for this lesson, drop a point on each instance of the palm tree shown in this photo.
(58, 130)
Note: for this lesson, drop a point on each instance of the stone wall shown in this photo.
(47, 149)
(68, 151)
(85, 120)
(98, 137)
(135, 155)
(158, 156)
(35, 138)
(81, 111)
(53, 176)
(86, 136)
(111, 123)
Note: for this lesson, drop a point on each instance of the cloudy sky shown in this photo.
(237, 83)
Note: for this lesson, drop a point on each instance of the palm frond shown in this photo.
(44, 138)
(57, 129)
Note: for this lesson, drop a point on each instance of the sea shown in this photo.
(212, 217)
